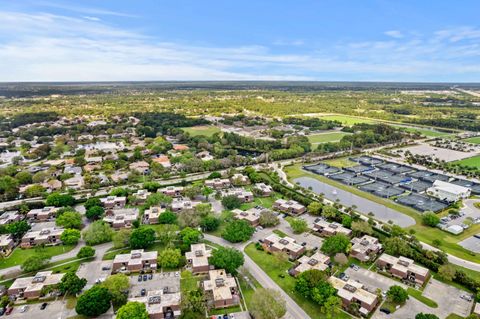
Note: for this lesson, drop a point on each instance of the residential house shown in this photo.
(239, 179)
(263, 189)
(140, 167)
(75, 182)
(6, 244)
(243, 195)
(251, 215)
(160, 305)
(275, 243)
(135, 261)
(162, 160)
(42, 214)
(221, 288)
(31, 287)
(182, 204)
(141, 196)
(403, 268)
(289, 206)
(365, 248)
(47, 236)
(327, 229)
(317, 261)
(113, 202)
(121, 218)
(151, 215)
(10, 217)
(197, 258)
(352, 291)
(172, 191)
(218, 183)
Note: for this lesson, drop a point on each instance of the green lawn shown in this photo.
(20, 255)
(471, 161)
(417, 294)
(423, 233)
(340, 162)
(454, 316)
(423, 131)
(201, 130)
(276, 268)
(266, 202)
(347, 119)
(473, 140)
(188, 281)
(326, 137)
(248, 287)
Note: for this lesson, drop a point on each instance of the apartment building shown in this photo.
(352, 291)
(403, 268)
(31, 287)
(161, 305)
(42, 214)
(182, 204)
(151, 215)
(289, 206)
(172, 191)
(243, 195)
(197, 258)
(221, 288)
(10, 217)
(251, 215)
(113, 202)
(121, 218)
(365, 248)
(239, 179)
(218, 183)
(275, 243)
(135, 261)
(47, 236)
(263, 189)
(326, 229)
(317, 261)
(6, 244)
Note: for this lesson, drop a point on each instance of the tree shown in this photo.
(397, 294)
(60, 200)
(24, 177)
(430, 219)
(170, 258)
(94, 302)
(267, 304)
(71, 283)
(117, 285)
(157, 199)
(268, 219)
(227, 258)
(187, 237)
(167, 217)
(35, 191)
(447, 272)
(338, 243)
(8, 188)
(329, 211)
(203, 209)
(422, 315)
(86, 252)
(332, 307)
(34, 263)
(210, 223)
(207, 191)
(238, 231)
(313, 284)
(298, 225)
(192, 191)
(97, 233)
(142, 237)
(17, 229)
(231, 202)
(119, 191)
(121, 238)
(94, 212)
(315, 208)
(70, 236)
(361, 228)
(69, 220)
(91, 202)
(133, 310)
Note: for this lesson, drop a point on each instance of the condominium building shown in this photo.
(221, 288)
(289, 206)
(365, 248)
(135, 261)
(160, 305)
(251, 215)
(403, 268)
(32, 287)
(172, 191)
(121, 218)
(42, 214)
(151, 215)
(263, 189)
(317, 261)
(218, 183)
(47, 236)
(352, 291)
(197, 258)
(243, 195)
(275, 243)
(327, 229)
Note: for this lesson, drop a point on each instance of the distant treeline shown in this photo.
(152, 123)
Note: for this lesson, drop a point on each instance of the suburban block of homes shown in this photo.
(251, 215)
(403, 268)
(121, 218)
(135, 261)
(218, 183)
(275, 243)
(365, 248)
(161, 305)
(289, 207)
(31, 287)
(41, 214)
(352, 291)
(197, 258)
(46, 236)
(243, 195)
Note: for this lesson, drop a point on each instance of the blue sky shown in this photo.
(54, 40)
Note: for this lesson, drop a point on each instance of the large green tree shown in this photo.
(338, 243)
(94, 302)
(313, 284)
(238, 231)
(71, 283)
(227, 258)
(97, 233)
(133, 310)
(142, 237)
(170, 258)
(69, 220)
(70, 236)
(117, 285)
(60, 200)
(397, 294)
(34, 263)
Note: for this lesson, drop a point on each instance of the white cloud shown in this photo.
(394, 34)
(48, 47)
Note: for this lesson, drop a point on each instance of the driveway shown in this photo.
(94, 270)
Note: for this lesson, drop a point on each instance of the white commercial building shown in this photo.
(448, 192)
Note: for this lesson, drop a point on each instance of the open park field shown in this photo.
(201, 130)
(473, 140)
(326, 137)
(471, 161)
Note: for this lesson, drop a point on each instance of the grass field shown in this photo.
(449, 242)
(473, 140)
(347, 120)
(276, 268)
(20, 255)
(471, 161)
(201, 130)
(423, 131)
(340, 162)
(326, 137)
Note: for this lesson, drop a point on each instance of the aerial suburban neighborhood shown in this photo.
(239, 159)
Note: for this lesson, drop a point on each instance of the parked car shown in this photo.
(24, 309)
(145, 277)
(150, 276)
(9, 310)
(43, 306)
(2, 311)
(143, 292)
(139, 277)
(385, 310)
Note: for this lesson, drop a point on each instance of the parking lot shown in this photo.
(372, 280)
(440, 153)
(159, 281)
(448, 298)
(95, 270)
